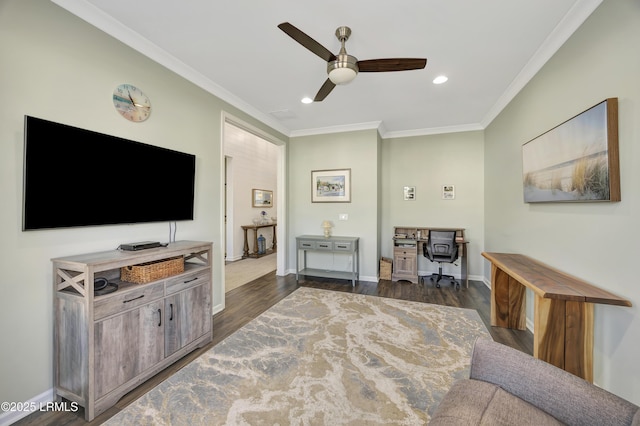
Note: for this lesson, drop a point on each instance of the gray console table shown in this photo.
(319, 243)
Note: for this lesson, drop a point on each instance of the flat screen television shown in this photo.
(76, 177)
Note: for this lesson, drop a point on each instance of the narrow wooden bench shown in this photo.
(563, 309)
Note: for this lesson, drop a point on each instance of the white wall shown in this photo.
(428, 163)
(253, 164)
(57, 67)
(594, 241)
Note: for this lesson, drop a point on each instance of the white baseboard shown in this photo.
(485, 281)
(34, 404)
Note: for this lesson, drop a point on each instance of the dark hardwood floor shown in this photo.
(250, 300)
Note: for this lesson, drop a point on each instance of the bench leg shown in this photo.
(548, 330)
(508, 307)
(578, 357)
(563, 329)
(563, 335)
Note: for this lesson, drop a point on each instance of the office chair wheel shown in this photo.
(437, 285)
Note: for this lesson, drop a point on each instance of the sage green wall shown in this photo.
(355, 150)
(597, 242)
(57, 67)
(380, 168)
(428, 163)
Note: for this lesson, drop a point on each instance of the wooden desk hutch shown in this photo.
(407, 246)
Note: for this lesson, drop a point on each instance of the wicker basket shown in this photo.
(385, 268)
(151, 271)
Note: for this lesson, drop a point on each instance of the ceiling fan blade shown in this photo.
(326, 88)
(307, 41)
(391, 64)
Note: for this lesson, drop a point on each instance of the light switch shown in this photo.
(343, 216)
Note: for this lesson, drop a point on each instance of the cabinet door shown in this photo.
(187, 317)
(126, 345)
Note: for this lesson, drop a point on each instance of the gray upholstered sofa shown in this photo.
(508, 387)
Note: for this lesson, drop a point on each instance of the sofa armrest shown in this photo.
(566, 397)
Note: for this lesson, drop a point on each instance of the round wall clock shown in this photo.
(131, 102)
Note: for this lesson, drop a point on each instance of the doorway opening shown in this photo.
(252, 160)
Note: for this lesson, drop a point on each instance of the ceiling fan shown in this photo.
(343, 68)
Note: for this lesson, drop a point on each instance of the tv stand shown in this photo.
(106, 345)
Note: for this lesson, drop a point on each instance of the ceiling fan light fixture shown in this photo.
(343, 70)
(342, 75)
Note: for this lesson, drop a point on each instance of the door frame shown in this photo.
(281, 201)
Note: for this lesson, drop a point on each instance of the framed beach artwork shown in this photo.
(577, 161)
(331, 186)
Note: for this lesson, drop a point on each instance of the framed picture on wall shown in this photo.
(261, 198)
(409, 193)
(331, 186)
(576, 161)
(448, 192)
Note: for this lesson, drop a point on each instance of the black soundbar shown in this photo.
(140, 246)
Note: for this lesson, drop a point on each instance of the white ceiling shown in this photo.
(489, 50)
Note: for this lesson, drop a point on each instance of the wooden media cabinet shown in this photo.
(107, 344)
(563, 309)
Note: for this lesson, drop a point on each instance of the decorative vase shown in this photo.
(262, 247)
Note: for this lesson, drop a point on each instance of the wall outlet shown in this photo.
(343, 216)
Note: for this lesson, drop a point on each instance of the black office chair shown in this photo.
(441, 247)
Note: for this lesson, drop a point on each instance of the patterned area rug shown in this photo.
(320, 357)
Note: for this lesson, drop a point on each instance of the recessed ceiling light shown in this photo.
(440, 79)
(306, 100)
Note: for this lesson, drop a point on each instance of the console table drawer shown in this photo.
(309, 245)
(324, 245)
(343, 246)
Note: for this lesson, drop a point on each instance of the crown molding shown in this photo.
(433, 131)
(574, 18)
(97, 18)
(337, 129)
